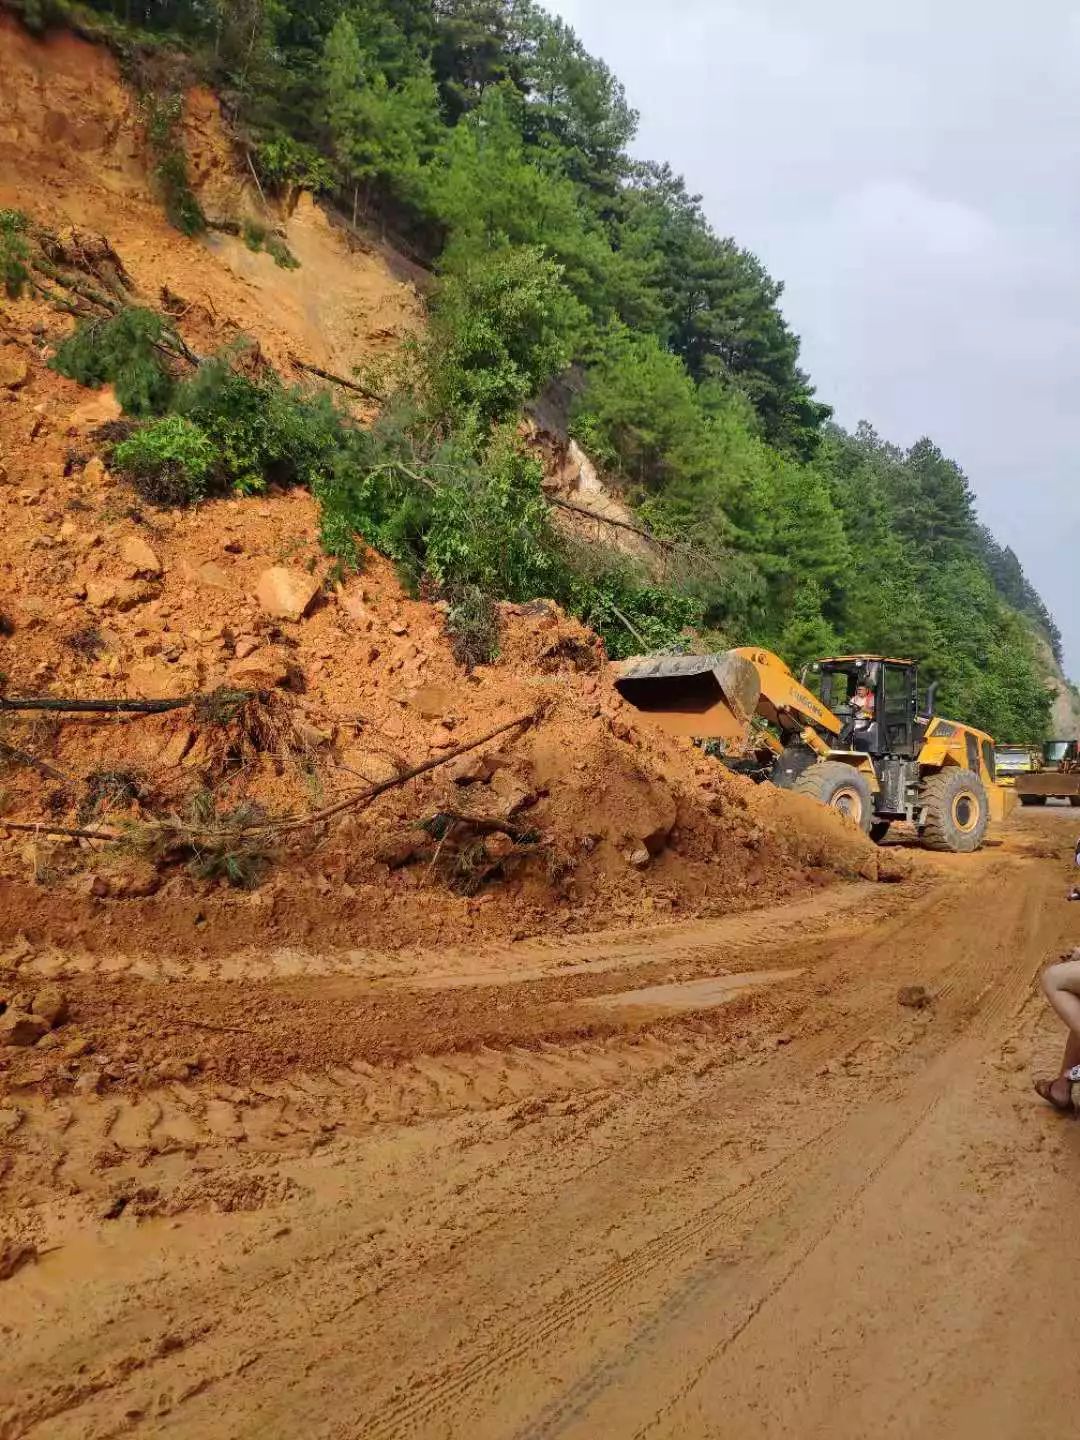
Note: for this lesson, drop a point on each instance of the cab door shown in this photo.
(898, 710)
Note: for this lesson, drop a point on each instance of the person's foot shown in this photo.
(1056, 1092)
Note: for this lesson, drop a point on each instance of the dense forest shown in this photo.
(486, 139)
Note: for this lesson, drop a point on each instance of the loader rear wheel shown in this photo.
(838, 786)
(1032, 799)
(956, 811)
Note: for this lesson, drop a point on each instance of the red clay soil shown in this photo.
(622, 823)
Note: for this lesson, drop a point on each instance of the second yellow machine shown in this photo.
(863, 745)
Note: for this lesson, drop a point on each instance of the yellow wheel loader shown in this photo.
(863, 746)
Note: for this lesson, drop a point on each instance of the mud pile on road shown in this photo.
(577, 819)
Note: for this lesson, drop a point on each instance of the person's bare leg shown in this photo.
(1061, 986)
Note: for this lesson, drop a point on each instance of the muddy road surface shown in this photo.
(699, 1181)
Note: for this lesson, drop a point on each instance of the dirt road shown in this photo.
(768, 1199)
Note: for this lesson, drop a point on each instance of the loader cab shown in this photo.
(877, 700)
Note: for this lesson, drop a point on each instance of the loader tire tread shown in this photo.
(948, 825)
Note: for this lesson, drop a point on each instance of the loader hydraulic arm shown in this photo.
(786, 703)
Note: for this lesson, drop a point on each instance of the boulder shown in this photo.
(14, 371)
(176, 747)
(140, 556)
(440, 738)
(286, 594)
(51, 1005)
(914, 997)
(396, 851)
(639, 858)
(262, 671)
(96, 411)
(431, 702)
(100, 593)
(473, 768)
(498, 846)
(19, 1028)
(94, 472)
(212, 575)
(372, 765)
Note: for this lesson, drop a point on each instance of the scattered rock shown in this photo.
(137, 553)
(311, 735)
(100, 593)
(176, 747)
(371, 765)
(246, 645)
(14, 371)
(398, 627)
(431, 702)
(440, 738)
(95, 885)
(396, 851)
(77, 1048)
(914, 997)
(286, 594)
(473, 768)
(94, 472)
(262, 671)
(357, 610)
(498, 846)
(172, 1069)
(19, 1028)
(10, 1120)
(212, 575)
(639, 858)
(51, 1005)
(88, 1082)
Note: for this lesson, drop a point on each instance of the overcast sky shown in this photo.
(910, 171)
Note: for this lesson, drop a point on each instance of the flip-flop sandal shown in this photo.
(1045, 1091)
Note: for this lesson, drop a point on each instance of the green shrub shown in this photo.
(262, 433)
(282, 161)
(169, 461)
(14, 252)
(120, 350)
(163, 115)
(502, 325)
(257, 238)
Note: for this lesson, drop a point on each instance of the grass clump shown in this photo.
(259, 238)
(163, 115)
(473, 626)
(14, 252)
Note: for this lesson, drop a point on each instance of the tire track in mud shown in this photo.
(982, 986)
(71, 1140)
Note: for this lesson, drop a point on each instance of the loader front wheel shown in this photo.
(956, 811)
(838, 786)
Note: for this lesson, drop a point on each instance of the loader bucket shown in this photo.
(708, 697)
